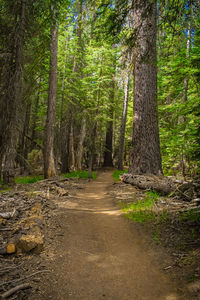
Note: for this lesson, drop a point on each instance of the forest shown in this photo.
(109, 89)
(86, 84)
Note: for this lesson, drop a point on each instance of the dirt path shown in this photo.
(101, 255)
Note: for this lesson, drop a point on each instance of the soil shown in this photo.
(93, 252)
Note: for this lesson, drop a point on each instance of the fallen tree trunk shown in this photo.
(159, 184)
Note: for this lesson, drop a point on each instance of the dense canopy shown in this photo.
(76, 76)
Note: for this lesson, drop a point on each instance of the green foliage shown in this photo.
(92, 50)
(179, 102)
(28, 179)
(152, 196)
(117, 173)
(141, 210)
(141, 216)
(4, 188)
(79, 174)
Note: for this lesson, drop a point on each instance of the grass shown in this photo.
(141, 210)
(4, 188)
(28, 179)
(116, 174)
(20, 180)
(79, 174)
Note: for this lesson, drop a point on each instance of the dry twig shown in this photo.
(15, 289)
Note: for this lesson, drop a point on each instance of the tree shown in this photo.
(108, 153)
(13, 94)
(146, 158)
(178, 86)
(124, 113)
(49, 163)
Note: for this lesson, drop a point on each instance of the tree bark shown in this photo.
(24, 142)
(13, 98)
(79, 68)
(124, 118)
(185, 94)
(161, 184)
(146, 157)
(81, 141)
(71, 148)
(65, 148)
(108, 153)
(92, 148)
(49, 162)
(108, 160)
(35, 116)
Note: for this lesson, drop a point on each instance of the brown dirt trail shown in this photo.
(101, 255)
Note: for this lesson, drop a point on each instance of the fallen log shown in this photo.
(160, 184)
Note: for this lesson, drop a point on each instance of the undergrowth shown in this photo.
(28, 179)
(141, 210)
(20, 180)
(4, 188)
(79, 174)
(116, 174)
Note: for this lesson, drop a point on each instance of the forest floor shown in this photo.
(91, 251)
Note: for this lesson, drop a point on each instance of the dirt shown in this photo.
(91, 250)
(99, 254)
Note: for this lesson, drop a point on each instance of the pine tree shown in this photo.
(49, 162)
(146, 158)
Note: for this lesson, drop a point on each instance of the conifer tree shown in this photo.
(146, 157)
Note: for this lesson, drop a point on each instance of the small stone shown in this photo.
(30, 242)
(10, 248)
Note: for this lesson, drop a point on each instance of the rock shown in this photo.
(10, 248)
(30, 242)
(31, 222)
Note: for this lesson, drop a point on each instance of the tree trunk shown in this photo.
(92, 149)
(49, 162)
(24, 142)
(161, 184)
(124, 118)
(65, 148)
(71, 149)
(81, 141)
(146, 157)
(13, 98)
(185, 94)
(35, 116)
(108, 160)
(108, 153)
